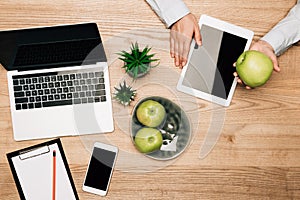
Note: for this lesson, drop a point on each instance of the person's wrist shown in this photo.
(266, 44)
(171, 26)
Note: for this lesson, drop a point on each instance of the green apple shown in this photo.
(254, 68)
(151, 113)
(148, 140)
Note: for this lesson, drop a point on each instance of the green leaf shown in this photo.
(156, 64)
(136, 55)
(135, 72)
(136, 46)
(154, 60)
(125, 94)
(137, 60)
(130, 66)
(127, 61)
(145, 52)
(127, 55)
(143, 67)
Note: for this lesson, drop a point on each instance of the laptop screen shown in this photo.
(51, 47)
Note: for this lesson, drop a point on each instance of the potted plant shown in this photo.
(124, 94)
(137, 62)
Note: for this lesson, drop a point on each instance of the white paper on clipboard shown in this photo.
(33, 173)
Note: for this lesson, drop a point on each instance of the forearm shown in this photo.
(286, 32)
(169, 11)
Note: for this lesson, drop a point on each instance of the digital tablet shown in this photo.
(208, 73)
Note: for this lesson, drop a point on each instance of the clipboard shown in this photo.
(32, 169)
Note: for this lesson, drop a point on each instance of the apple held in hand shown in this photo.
(254, 68)
(148, 140)
(151, 113)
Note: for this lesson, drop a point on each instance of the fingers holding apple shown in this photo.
(253, 68)
(268, 50)
(239, 81)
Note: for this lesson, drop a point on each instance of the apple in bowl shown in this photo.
(151, 113)
(148, 140)
(174, 123)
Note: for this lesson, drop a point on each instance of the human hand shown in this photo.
(268, 50)
(181, 35)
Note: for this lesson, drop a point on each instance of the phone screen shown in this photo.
(100, 169)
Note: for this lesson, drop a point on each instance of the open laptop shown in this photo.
(58, 81)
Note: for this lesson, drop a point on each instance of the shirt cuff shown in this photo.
(286, 32)
(175, 13)
(275, 38)
(169, 11)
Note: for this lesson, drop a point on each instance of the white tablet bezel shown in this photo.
(106, 147)
(225, 27)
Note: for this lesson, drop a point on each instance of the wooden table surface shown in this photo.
(257, 155)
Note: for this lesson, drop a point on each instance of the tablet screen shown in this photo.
(210, 67)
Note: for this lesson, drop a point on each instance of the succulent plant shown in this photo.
(137, 61)
(124, 94)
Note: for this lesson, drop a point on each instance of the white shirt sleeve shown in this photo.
(169, 11)
(286, 32)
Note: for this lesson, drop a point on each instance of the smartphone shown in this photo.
(100, 169)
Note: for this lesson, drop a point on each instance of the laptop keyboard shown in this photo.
(58, 89)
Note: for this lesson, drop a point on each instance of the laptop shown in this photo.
(58, 81)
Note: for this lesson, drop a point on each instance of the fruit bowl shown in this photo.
(175, 124)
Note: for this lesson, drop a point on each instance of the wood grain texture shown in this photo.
(257, 153)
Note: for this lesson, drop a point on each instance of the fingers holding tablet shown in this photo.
(208, 72)
(181, 36)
